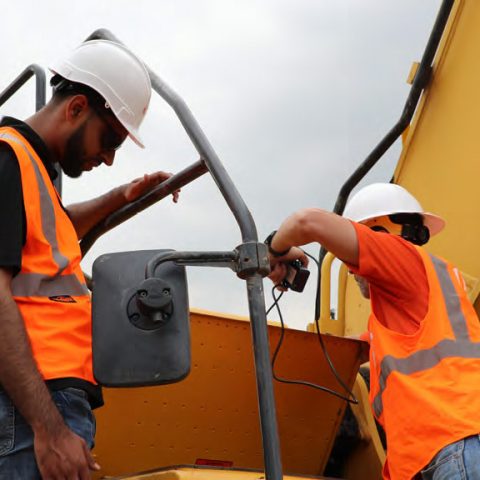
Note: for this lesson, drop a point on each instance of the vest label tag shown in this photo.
(63, 299)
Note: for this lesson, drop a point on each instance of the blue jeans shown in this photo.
(17, 459)
(457, 461)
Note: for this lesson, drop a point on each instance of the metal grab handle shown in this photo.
(197, 259)
(167, 187)
(40, 100)
(202, 145)
(252, 269)
(22, 79)
(420, 82)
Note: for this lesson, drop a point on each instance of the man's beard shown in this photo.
(72, 162)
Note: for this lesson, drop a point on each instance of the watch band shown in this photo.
(275, 253)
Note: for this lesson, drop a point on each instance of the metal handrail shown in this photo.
(40, 99)
(173, 183)
(22, 79)
(256, 300)
(202, 145)
(420, 82)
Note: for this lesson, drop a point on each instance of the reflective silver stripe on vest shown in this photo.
(35, 284)
(39, 285)
(422, 360)
(452, 300)
(46, 207)
(425, 359)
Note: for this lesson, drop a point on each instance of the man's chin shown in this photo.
(72, 173)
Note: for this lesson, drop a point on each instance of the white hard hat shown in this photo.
(116, 74)
(381, 199)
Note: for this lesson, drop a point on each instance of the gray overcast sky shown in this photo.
(292, 94)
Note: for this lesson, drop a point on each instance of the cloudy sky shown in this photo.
(292, 94)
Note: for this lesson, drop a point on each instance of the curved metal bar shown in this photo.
(256, 301)
(22, 79)
(203, 146)
(40, 100)
(196, 259)
(421, 80)
(173, 183)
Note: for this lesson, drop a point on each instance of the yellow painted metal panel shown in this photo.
(413, 72)
(367, 459)
(357, 308)
(440, 163)
(192, 473)
(352, 309)
(213, 413)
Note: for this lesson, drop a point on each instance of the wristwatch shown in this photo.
(275, 253)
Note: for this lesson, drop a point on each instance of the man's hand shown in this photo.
(279, 264)
(142, 185)
(63, 455)
(59, 452)
(85, 215)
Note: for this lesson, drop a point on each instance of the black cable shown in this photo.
(351, 397)
(324, 348)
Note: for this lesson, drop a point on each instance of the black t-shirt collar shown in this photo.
(35, 141)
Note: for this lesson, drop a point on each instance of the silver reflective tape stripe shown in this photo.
(38, 285)
(46, 207)
(452, 300)
(423, 360)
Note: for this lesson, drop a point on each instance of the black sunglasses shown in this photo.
(110, 139)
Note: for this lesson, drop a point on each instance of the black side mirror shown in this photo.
(140, 326)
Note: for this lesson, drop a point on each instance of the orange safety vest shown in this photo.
(50, 288)
(425, 387)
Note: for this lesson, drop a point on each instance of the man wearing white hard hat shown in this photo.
(101, 93)
(423, 332)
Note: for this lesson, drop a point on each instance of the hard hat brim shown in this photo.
(434, 223)
(136, 138)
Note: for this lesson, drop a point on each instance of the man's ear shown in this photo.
(76, 108)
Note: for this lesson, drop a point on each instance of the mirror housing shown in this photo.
(140, 327)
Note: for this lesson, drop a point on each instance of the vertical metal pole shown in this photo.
(40, 101)
(266, 399)
(40, 87)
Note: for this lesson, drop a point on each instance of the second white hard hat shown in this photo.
(381, 199)
(116, 74)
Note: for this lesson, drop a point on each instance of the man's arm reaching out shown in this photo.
(308, 225)
(85, 215)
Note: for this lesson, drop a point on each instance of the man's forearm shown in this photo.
(86, 215)
(332, 231)
(19, 374)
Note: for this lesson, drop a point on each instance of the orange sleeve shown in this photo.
(388, 261)
(397, 278)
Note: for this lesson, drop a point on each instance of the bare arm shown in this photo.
(86, 215)
(57, 449)
(332, 231)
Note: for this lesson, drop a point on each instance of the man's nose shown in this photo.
(108, 157)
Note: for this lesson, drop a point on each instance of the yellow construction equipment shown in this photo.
(206, 426)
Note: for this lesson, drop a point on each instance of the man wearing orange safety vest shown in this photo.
(423, 332)
(47, 390)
